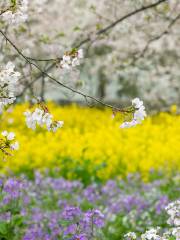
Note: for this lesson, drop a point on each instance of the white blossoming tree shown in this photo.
(47, 43)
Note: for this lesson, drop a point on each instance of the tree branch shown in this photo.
(137, 56)
(86, 96)
(165, 32)
(112, 25)
(106, 29)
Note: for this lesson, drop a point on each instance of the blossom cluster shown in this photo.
(71, 59)
(151, 234)
(18, 13)
(8, 84)
(138, 114)
(8, 143)
(173, 209)
(41, 117)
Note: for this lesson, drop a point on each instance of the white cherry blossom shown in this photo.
(41, 118)
(10, 136)
(17, 16)
(71, 60)
(8, 85)
(14, 146)
(138, 115)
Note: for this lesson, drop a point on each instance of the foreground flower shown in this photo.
(14, 146)
(42, 118)
(130, 236)
(8, 85)
(8, 143)
(139, 114)
(151, 234)
(173, 210)
(94, 216)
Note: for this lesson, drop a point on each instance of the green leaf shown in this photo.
(93, 8)
(77, 28)
(3, 228)
(13, 2)
(98, 26)
(60, 34)
(172, 238)
(17, 220)
(45, 39)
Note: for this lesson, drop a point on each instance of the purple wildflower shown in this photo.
(71, 212)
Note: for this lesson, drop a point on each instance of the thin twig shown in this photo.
(86, 96)
(109, 27)
(106, 29)
(137, 56)
(165, 32)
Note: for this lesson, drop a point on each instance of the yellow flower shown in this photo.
(91, 144)
(173, 109)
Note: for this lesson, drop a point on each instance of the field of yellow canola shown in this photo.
(91, 144)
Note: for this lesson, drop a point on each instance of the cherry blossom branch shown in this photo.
(54, 60)
(112, 25)
(135, 57)
(86, 96)
(106, 29)
(2, 11)
(165, 32)
(44, 73)
(39, 75)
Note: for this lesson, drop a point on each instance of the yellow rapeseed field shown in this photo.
(91, 144)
